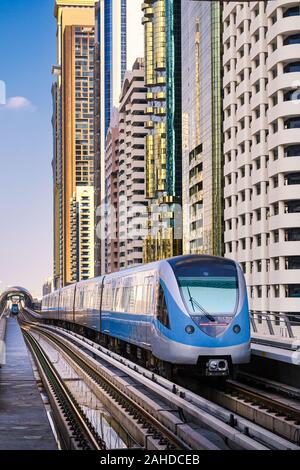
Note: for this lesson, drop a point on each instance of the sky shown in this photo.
(27, 53)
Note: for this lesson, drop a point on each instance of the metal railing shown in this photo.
(275, 324)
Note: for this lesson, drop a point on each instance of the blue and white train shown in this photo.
(188, 310)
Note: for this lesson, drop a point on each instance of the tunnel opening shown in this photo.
(13, 295)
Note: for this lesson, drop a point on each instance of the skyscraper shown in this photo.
(119, 36)
(57, 191)
(162, 21)
(73, 127)
(202, 189)
(262, 149)
(131, 183)
(125, 174)
(112, 171)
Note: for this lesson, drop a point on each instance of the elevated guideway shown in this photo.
(275, 347)
(276, 336)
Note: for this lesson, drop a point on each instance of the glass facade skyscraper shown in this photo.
(109, 18)
(73, 131)
(119, 43)
(202, 127)
(162, 21)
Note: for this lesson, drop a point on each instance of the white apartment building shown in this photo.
(82, 254)
(262, 149)
(131, 178)
(112, 194)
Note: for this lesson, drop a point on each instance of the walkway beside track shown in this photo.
(23, 419)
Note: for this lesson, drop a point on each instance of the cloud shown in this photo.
(19, 102)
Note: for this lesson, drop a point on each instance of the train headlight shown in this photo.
(189, 329)
(213, 365)
(236, 329)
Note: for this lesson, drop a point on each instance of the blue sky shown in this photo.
(27, 53)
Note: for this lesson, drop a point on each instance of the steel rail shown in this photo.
(159, 430)
(81, 428)
(233, 426)
(269, 384)
(258, 396)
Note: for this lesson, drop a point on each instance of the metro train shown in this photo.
(14, 309)
(188, 310)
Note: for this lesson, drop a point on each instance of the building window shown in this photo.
(259, 292)
(292, 290)
(292, 178)
(292, 123)
(258, 266)
(276, 208)
(292, 262)
(292, 151)
(275, 154)
(258, 240)
(292, 235)
(292, 67)
(292, 95)
(292, 207)
(274, 100)
(258, 215)
(293, 11)
(292, 39)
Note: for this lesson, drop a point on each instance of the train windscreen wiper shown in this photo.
(195, 302)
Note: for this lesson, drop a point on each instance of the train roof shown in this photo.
(182, 259)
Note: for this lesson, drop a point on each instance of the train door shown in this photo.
(73, 304)
(106, 306)
(149, 297)
(58, 304)
(100, 301)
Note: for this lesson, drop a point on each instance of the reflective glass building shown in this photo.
(119, 35)
(202, 127)
(162, 21)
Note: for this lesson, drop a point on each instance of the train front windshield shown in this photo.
(210, 292)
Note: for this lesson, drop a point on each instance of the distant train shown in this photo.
(184, 311)
(14, 309)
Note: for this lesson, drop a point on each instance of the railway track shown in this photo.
(261, 397)
(153, 427)
(175, 417)
(75, 430)
(269, 410)
(270, 385)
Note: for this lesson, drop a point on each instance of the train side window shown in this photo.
(107, 297)
(131, 299)
(149, 281)
(162, 310)
(139, 292)
(116, 301)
